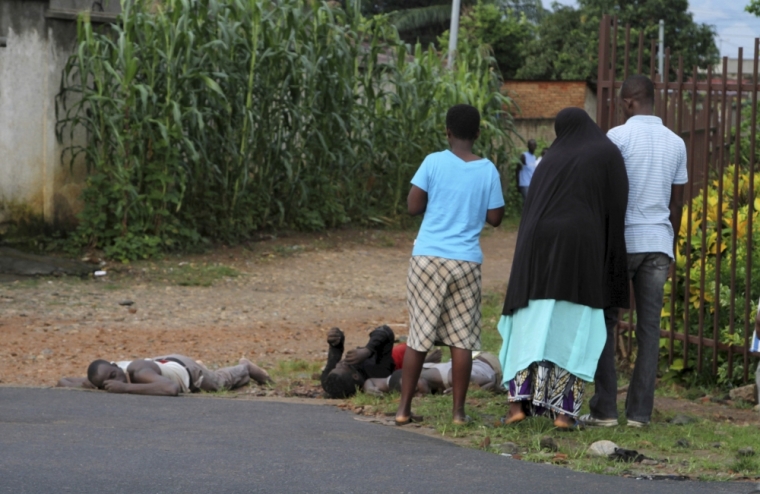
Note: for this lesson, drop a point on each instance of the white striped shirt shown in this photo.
(655, 159)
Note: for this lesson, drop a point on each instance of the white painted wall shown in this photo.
(32, 176)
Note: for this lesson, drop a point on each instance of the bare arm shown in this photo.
(145, 381)
(376, 386)
(75, 382)
(416, 201)
(676, 210)
(494, 216)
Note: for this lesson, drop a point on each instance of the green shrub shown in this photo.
(718, 227)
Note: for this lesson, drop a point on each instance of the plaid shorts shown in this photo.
(443, 296)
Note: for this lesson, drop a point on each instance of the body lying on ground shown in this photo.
(165, 376)
(341, 376)
(436, 377)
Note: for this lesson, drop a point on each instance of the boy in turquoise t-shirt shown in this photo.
(457, 192)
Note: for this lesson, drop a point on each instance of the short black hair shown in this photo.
(463, 121)
(638, 88)
(92, 370)
(339, 384)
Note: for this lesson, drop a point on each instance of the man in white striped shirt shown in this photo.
(655, 159)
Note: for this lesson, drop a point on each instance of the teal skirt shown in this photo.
(569, 335)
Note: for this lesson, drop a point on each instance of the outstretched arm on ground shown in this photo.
(377, 386)
(75, 382)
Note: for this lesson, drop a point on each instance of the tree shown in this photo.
(753, 7)
(563, 49)
(504, 31)
(566, 45)
(533, 9)
(426, 20)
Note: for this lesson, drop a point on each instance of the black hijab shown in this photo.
(571, 241)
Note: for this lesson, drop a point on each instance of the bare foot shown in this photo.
(257, 373)
(514, 418)
(563, 422)
(516, 413)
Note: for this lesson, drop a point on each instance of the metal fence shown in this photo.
(710, 301)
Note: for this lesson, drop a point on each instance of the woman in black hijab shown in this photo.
(569, 265)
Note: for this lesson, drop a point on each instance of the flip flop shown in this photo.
(467, 420)
(411, 419)
(575, 426)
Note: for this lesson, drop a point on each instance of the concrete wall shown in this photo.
(540, 129)
(39, 37)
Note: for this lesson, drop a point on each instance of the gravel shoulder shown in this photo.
(270, 301)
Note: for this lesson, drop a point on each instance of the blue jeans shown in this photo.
(648, 271)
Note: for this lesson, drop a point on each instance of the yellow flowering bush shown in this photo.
(711, 231)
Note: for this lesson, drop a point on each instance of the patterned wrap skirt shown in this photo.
(443, 296)
(546, 388)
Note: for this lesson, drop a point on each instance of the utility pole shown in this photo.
(453, 32)
(661, 51)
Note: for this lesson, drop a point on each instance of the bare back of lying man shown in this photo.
(437, 377)
(165, 376)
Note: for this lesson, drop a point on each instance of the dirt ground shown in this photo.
(276, 303)
(271, 301)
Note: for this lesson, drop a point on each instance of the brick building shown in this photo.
(540, 101)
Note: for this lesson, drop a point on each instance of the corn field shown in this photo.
(213, 119)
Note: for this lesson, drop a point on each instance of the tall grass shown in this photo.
(211, 119)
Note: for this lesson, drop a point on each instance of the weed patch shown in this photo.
(191, 274)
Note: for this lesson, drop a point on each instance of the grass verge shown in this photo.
(704, 448)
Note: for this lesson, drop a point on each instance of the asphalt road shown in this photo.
(54, 440)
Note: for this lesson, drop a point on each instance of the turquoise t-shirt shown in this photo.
(459, 194)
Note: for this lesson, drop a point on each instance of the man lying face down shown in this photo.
(436, 377)
(165, 376)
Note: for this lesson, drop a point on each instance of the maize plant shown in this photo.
(212, 119)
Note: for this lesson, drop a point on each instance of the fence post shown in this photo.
(603, 92)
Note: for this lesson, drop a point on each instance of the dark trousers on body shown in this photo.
(648, 271)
